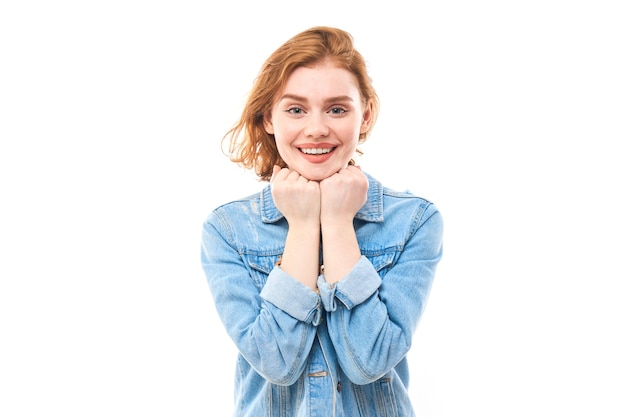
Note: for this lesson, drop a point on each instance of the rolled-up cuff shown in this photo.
(353, 289)
(292, 297)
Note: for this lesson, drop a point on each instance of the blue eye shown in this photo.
(294, 110)
(337, 110)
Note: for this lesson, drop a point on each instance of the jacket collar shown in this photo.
(372, 210)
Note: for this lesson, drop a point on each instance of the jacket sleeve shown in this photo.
(272, 329)
(371, 320)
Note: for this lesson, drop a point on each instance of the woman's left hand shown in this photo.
(343, 194)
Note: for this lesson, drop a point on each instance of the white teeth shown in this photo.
(316, 151)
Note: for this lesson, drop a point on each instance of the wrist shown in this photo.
(304, 227)
(335, 222)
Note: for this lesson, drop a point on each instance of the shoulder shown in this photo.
(234, 211)
(419, 207)
(403, 203)
(238, 203)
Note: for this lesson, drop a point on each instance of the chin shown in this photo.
(319, 174)
(314, 177)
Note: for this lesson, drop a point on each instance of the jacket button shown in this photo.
(338, 386)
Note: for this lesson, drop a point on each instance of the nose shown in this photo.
(316, 126)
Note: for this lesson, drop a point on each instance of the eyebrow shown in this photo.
(328, 100)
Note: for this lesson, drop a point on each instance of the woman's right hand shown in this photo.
(297, 198)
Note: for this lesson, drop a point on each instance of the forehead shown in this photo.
(322, 78)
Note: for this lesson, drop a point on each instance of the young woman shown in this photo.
(321, 278)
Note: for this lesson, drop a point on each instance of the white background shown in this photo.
(510, 116)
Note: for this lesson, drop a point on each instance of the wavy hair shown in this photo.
(249, 144)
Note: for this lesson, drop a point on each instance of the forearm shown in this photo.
(340, 249)
(300, 258)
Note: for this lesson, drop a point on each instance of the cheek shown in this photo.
(285, 135)
(350, 132)
(282, 143)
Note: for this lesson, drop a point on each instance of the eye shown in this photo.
(338, 110)
(294, 110)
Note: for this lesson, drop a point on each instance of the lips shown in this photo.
(317, 153)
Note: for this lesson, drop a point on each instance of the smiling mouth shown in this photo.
(316, 151)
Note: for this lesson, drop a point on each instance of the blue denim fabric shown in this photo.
(341, 352)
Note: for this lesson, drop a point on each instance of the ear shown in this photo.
(267, 123)
(367, 118)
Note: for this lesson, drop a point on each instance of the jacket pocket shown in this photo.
(260, 267)
(381, 261)
(377, 399)
(285, 401)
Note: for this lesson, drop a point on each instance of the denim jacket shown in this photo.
(337, 353)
